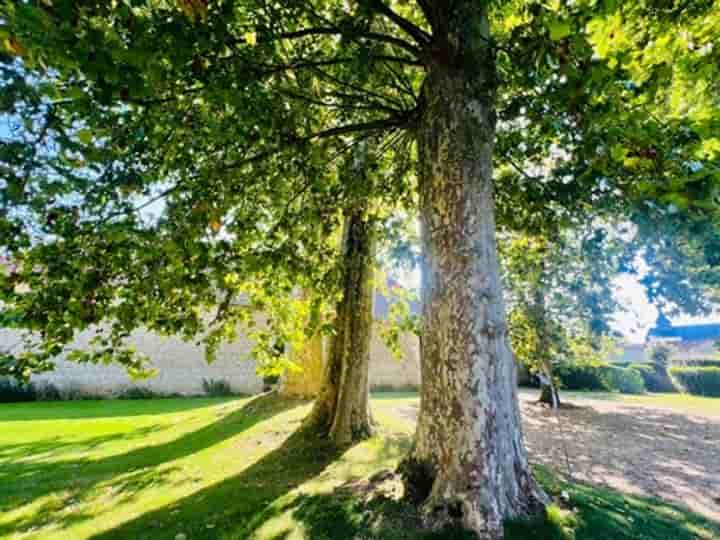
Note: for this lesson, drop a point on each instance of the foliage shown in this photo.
(624, 380)
(12, 391)
(47, 391)
(600, 377)
(78, 393)
(655, 377)
(138, 392)
(157, 149)
(220, 130)
(660, 355)
(582, 376)
(217, 387)
(699, 362)
(701, 381)
(401, 319)
(560, 295)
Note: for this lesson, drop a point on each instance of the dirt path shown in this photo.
(632, 448)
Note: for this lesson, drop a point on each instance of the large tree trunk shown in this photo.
(468, 464)
(342, 409)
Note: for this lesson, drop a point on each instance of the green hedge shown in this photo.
(581, 377)
(624, 380)
(701, 381)
(698, 362)
(13, 392)
(602, 377)
(655, 377)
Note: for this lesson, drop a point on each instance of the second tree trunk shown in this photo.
(342, 408)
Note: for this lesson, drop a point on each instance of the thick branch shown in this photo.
(417, 33)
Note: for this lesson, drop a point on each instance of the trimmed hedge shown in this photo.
(602, 377)
(13, 392)
(700, 381)
(655, 377)
(624, 380)
(698, 362)
(581, 377)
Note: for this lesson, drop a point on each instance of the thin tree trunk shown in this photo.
(468, 464)
(548, 391)
(342, 411)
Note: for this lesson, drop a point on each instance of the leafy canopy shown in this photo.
(159, 156)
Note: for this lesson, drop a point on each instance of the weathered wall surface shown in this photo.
(182, 367)
(387, 372)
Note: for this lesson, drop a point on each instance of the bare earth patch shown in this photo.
(648, 451)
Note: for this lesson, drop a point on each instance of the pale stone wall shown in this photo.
(182, 367)
(387, 372)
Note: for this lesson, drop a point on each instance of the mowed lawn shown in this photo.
(239, 468)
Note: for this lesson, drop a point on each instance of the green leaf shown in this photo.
(559, 30)
(85, 136)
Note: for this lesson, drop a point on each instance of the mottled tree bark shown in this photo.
(468, 465)
(341, 409)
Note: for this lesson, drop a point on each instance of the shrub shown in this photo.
(660, 355)
(655, 377)
(581, 377)
(12, 391)
(77, 393)
(217, 387)
(624, 380)
(701, 381)
(602, 377)
(698, 362)
(47, 392)
(138, 392)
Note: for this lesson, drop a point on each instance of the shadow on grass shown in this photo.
(593, 514)
(88, 409)
(58, 444)
(25, 481)
(597, 513)
(239, 505)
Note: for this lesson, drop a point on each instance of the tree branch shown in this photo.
(335, 31)
(418, 34)
(315, 101)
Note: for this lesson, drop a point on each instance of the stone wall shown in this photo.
(181, 367)
(388, 372)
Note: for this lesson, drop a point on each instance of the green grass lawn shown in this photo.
(238, 468)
